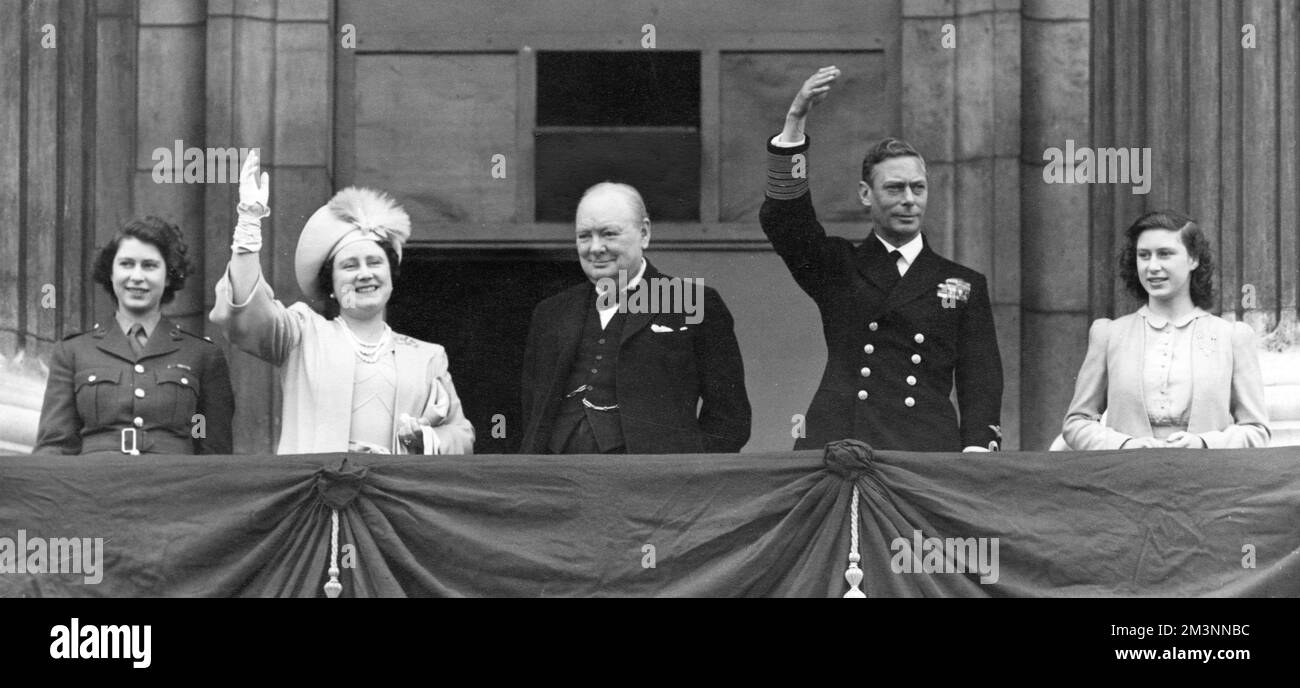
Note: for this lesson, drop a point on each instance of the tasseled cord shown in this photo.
(334, 587)
(854, 574)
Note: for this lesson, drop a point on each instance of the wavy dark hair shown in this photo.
(886, 148)
(1198, 247)
(325, 278)
(164, 236)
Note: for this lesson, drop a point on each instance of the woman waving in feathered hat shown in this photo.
(350, 382)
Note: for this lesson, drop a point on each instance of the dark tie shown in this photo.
(137, 339)
(891, 275)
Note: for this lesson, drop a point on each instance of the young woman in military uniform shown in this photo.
(137, 383)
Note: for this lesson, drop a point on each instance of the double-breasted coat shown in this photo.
(894, 351)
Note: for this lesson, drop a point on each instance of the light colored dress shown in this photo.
(318, 367)
(375, 390)
(1153, 378)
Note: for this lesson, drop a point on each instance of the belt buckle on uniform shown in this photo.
(590, 405)
(133, 451)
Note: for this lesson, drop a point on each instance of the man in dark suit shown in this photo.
(620, 364)
(902, 323)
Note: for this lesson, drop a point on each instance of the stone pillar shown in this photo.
(961, 108)
(170, 97)
(269, 86)
(1055, 245)
(47, 117)
(47, 50)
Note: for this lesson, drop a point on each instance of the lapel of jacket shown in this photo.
(334, 380)
(412, 361)
(411, 397)
(113, 341)
(1208, 358)
(1126, 404)
(872, 261)
(568, 330)
(635, 322)
(922, 278)
(164, 340)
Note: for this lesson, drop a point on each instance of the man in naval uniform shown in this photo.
(901, 323)
(603, 376)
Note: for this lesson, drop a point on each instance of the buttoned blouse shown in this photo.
(1146, 373)
(1167, 367)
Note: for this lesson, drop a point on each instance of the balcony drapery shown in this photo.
(1126, 523)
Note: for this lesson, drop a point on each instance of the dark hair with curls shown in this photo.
(1198, 247)
(325, 278)
(886, 148)
(164, 236)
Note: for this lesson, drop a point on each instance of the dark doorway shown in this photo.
(477, 304)
(621, 116)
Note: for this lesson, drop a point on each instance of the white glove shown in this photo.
(252, 205)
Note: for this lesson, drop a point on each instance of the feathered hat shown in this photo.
(354, 214)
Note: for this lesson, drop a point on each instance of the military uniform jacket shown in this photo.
(98, 388)
(666, 368)
(892, 354)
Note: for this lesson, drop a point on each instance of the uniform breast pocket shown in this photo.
(178, 392)
(98, 393)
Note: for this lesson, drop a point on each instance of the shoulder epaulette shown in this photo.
(94, 329)
(196, 336)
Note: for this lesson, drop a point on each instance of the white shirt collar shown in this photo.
(1159, 323)
(150, 322)
(910, 250)
(631, 283)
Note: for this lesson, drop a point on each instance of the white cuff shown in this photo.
(230, 292)
(432, 444)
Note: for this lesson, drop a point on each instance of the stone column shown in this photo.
(269, 86)
(1055, 244)
(170, 108)
(961, 108)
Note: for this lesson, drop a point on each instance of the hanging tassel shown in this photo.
(334, 587)
(854, 574)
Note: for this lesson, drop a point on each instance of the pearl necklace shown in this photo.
(368, 353)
